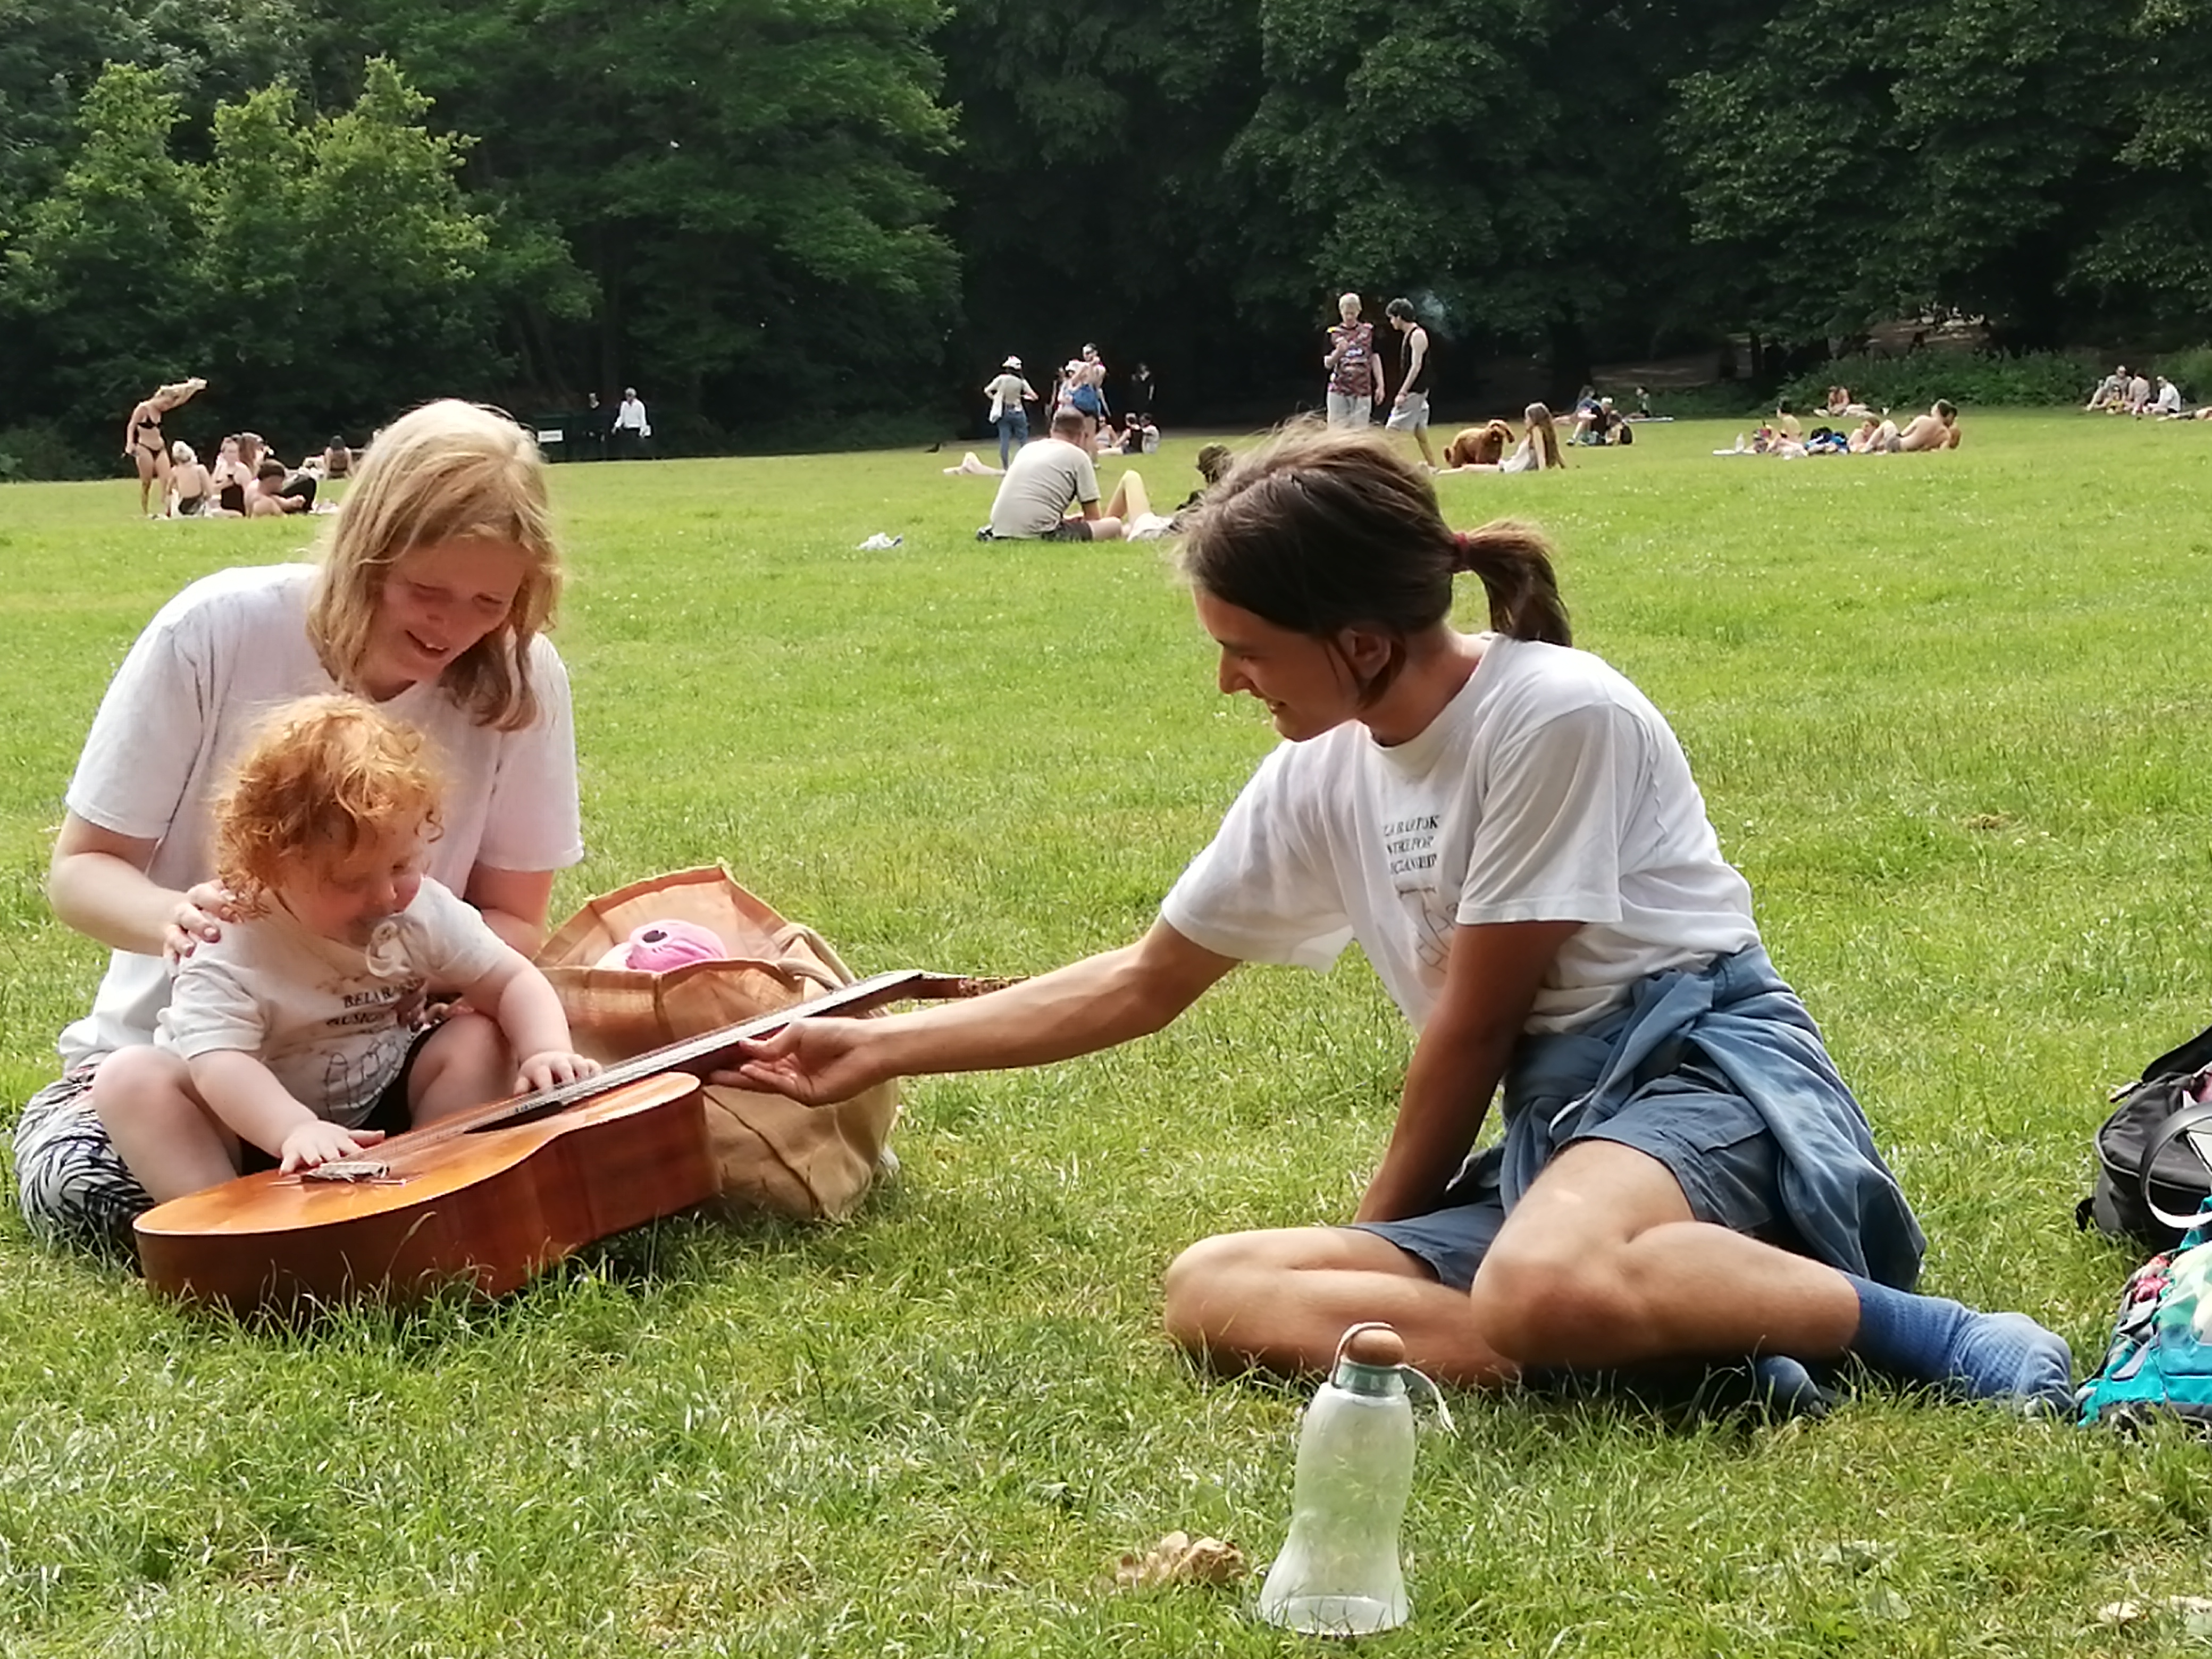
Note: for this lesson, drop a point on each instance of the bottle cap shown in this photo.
(1374, 1345)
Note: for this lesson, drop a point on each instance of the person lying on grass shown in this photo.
(1937, 429)
(439, 579)
(1508, 829)
(300, 1035)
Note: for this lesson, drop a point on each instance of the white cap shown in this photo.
(1011, 362)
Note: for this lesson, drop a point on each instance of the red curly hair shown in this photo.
(323, 778)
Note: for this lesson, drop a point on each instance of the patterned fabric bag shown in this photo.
(2159, 1362)
(772, 1153)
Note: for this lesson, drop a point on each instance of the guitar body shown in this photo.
(488, 1196)
(490, 1206)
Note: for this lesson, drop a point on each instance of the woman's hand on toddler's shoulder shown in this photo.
(197, 920)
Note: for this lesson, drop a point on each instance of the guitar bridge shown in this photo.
(357, 1171)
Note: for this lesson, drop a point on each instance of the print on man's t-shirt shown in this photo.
(1410, 845)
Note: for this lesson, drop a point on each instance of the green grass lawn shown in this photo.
(1949, 715)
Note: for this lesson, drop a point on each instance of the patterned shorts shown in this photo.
(73, 1185)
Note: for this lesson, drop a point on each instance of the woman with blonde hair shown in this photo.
(437, 581)
(143, 443)
(1510, 830)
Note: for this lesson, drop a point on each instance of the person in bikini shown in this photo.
(143, 443)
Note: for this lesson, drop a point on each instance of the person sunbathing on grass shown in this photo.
(1937, 429)
(1510, 831)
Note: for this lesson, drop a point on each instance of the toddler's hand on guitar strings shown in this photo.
(553, 1068)
(322, 1142)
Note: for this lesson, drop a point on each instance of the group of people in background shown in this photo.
(1078, 385)
(627, 437)
(2138, 394)
(1875, 433)
(1357, 386)
(245, 480)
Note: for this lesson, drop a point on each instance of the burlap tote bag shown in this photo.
(771, 1153)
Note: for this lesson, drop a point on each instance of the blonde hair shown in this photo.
(323, 777)
(180, 454)
(448, 471)
(1319, 531)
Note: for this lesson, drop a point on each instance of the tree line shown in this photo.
(767, 213)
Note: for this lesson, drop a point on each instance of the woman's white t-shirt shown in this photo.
(1549, 789)
(214, 663)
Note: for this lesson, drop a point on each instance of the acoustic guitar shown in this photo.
(487, 1197)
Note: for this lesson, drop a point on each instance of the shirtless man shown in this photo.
(1937, 429)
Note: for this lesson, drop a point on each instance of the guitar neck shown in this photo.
(699, 1054)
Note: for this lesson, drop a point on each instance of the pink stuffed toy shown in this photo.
(654, 947)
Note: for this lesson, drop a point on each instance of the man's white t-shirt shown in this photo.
(214, 663)
(1549, 789)
(630, 417)
(1041, 482)
(333, 1022)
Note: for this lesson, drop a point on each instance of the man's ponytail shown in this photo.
(1514, 562)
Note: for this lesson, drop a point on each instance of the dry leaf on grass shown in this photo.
(1179, 1558)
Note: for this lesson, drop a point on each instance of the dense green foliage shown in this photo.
(1943, 710)
(765, 212)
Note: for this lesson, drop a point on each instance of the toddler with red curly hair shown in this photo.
(299, 1036)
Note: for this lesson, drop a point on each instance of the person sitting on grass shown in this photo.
(1045, 479)
(1510, 830)
(432, 597)
(1937, 429)
(192, 491)
(1537, 452)
(299, 1036)
(278, 490)
(1213, 463)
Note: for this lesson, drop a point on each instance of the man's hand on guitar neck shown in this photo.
(816, 1062)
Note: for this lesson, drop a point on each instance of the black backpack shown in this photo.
(2150, 1181)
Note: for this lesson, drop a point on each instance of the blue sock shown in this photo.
(2004, 1357)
